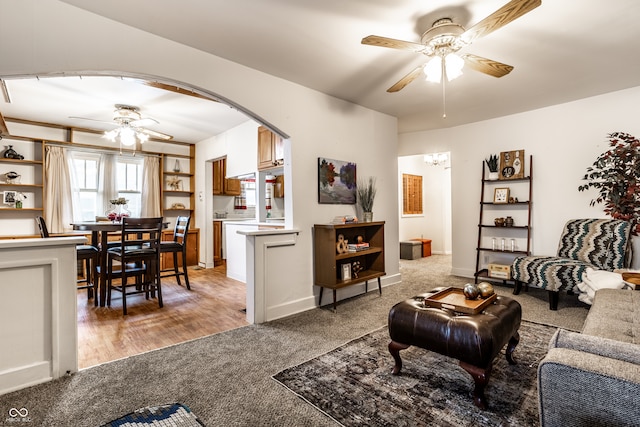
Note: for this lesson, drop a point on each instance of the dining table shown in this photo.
(100, 231)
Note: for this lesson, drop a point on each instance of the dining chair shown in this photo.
(88, 256)
(176, 246)
(138, 256)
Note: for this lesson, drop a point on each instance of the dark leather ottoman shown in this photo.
(474, 339)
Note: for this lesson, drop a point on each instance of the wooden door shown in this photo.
(218, 176)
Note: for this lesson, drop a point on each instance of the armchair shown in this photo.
(601, 244)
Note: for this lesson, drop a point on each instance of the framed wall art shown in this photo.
(336, 182)
(512, 164)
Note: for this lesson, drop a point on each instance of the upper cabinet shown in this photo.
(223, 186)
(270, 149)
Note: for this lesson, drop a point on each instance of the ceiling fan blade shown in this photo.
(110, 122)
(176, 89)
(4, 130)
(406, 79)
(153, 133)
(487, 66)
(393, 43)
(146, 121)
(501, 17)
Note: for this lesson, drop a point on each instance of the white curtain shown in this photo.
(58, 206)
(107, 184)
(150, 204)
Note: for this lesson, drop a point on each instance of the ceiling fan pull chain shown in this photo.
(444, 98)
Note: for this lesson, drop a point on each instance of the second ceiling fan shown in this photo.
(445, 38)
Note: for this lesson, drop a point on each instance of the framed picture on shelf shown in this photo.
(501, 195)
(511, 164)
(9, 197)
(346, 272)
(336, 182)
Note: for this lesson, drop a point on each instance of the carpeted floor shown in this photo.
(353, 385)
(226, 379)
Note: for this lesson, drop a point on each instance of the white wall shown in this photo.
(564, 140)
(435, 222)
(56, 37)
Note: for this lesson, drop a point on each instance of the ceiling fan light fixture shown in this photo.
(127, 136)
(433, 69)
(453, 64)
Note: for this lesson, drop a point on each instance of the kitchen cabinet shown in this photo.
(193, 249)
(222, 186)
(270, 149)
(217, 243)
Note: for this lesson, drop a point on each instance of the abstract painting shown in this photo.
(336, 182)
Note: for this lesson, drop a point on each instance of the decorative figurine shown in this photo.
(10, 153)
(12, 177)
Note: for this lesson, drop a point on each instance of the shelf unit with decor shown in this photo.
(491, 235)
(30, 184)
(329, 262)
(181, 193)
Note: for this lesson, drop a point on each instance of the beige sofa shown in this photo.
(593, 378)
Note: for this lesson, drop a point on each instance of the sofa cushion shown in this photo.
(615, 314)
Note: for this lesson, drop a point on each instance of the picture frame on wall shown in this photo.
(511, 165)
(336, 182)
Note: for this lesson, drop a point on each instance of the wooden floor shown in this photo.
(214, 304)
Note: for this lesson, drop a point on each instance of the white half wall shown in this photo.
(38, 310)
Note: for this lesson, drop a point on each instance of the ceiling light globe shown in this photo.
(454, 65)
(127, 136)
(433, 70)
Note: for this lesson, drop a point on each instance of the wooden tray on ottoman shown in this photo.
(454, 299)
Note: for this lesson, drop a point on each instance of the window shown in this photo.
(84, 167)
(129, 182)
(87, 169)
(411, 194)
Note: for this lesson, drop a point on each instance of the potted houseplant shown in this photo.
(616, 176)
(366, 192)
(492, 164)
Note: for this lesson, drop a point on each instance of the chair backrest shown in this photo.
(604, 243)
(139, 232)
(181, 229)
(42, 226)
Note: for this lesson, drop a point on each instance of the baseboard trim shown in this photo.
(311, 302)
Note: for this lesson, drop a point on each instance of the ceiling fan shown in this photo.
(445, 38)
(129, 119)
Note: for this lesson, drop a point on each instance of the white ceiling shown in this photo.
(562, 51)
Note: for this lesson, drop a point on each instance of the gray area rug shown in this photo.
(353, 384)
